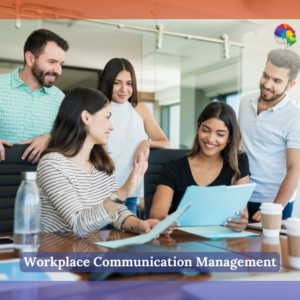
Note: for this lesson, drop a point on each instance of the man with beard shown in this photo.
(28, 100)
(270, 128)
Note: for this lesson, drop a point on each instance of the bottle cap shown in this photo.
(28, 175)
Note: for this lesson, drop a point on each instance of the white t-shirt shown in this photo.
(265, 139)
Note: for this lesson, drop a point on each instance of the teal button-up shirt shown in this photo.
(25, 114)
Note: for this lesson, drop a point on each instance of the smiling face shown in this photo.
(274, 83)
(122, 89)
(48, 66)
(98, 125)
(213, 136)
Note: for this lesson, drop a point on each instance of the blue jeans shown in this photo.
(253, 207)
(131, 205)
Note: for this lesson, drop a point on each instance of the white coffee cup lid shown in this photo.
(271, 206)
(293, 222)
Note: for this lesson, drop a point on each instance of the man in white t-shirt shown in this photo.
(270, 128)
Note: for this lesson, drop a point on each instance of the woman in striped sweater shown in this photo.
(75, 177)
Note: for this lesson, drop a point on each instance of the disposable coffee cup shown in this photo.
(271, 216)
(293, 232)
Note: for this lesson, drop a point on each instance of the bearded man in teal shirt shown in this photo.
(29, 101)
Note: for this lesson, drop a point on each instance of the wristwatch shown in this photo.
(114, 197)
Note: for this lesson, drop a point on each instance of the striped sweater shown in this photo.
(72, 200)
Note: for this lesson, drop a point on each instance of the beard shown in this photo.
(40, 75)
(274, 97)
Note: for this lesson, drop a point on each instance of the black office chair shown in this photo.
(157, 159)
(10, 179)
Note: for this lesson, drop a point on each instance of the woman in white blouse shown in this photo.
(75, 177)
(133, 122)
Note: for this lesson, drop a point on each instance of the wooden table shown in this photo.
(68, 242)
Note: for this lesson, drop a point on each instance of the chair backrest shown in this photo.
(157, 159)
(10, 179)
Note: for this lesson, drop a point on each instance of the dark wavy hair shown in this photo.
(109, 74)
(38, 39)
(224, 112)
(69, 132)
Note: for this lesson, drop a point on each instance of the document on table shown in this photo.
(213, 205)
(146, 237)
(216, 232)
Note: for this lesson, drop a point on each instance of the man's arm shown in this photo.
(37, 146)
(290, 181)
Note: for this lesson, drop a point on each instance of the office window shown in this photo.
(170, 124)
(165, 120)
(175, 126)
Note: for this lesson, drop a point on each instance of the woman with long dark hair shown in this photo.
(133, 121)
(215, 159)
(75, 177)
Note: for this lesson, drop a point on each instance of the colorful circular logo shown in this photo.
(285, 34)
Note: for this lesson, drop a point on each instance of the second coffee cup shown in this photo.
(293, 233)
(271, 215)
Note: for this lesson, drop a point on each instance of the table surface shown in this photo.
(68, 242)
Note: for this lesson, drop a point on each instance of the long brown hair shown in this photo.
(224, 112)
(69, 132)
(109, 74)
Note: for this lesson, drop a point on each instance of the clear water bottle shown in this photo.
(27, 215)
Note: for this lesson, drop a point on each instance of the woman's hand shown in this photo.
(144, 145)
(171, 228)
(146, 226)
(238, 224)
(135, 176)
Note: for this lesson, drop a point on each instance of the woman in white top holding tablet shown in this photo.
(215, 159)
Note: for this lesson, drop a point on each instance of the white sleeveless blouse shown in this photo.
(124, 140)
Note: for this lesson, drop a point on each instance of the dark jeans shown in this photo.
(131, 205)
(253, 207)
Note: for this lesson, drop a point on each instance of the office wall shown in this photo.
(186, 72)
